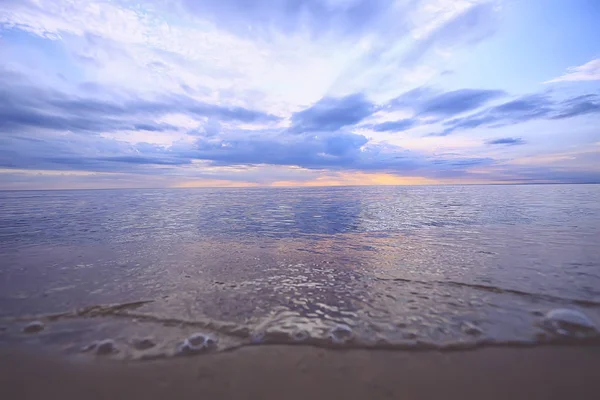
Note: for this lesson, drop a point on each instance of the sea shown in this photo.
(151, 273)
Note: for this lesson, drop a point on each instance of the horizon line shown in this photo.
(301, 187)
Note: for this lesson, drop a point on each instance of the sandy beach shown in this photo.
(294, 372)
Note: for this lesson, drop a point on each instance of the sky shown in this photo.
(228, 93)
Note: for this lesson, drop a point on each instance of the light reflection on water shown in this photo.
(392, 263)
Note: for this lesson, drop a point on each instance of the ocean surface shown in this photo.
(392, 267)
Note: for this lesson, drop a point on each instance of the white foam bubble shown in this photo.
(197, 343)
(341, 334)
(33, 327)
(300, 336)
(569, 323)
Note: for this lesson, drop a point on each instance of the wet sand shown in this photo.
(295, 372)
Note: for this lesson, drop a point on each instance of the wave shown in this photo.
(231, 336)
(496, 289)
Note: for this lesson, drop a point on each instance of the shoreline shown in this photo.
(305, 372)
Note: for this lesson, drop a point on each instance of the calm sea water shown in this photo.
(361, 266)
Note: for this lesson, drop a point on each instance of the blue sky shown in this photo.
(185, 93)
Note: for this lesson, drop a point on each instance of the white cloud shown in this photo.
(589, 71)
(432, 14)
(51, 19)
(143, 51)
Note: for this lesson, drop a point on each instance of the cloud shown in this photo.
(469, 25)
(303, 47)
(427, 101)
(523, 109)
(262, 17)
(331, 114)
(340, 145)
(91, 134)
(84, 152)
(395, 126)
(457, 102)
(186, 88)
(333, 151)
(589, 71)
(413, 98)
(581, 105)
(23, 105)
(329, 150)
(507, 141)
(141, 160)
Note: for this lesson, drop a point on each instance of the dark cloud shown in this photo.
(23, 106)
(73, 125)
(457, 102)
(84, 152)
(507, 141)
(143, 160)
(312, 151)
(331, 114)
(526, 108)
(333, 151)
(462, 162)
(428, 102)
(581, 105)
(153, 127)
(78, 120)
(342, 144)
(395, 126)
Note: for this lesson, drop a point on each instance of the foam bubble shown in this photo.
(341, 334)
(300, 336)
(197, 343)
(569, 323)
(33, 327)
